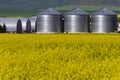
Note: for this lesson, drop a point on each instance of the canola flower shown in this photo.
(60, 56)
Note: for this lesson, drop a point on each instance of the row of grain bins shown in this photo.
(19, 24)
(76, 20)
(25, 25)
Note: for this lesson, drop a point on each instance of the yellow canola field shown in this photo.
(60, 56)
(118, 15)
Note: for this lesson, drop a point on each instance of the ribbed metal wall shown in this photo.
(48, 21)
(76, 20)
(28, 26)
(36, 26)
(19, 26)
(104, 21)
(76, 23)
(115, 22)
(24, 20)
(62, 24)
(10, 23)
(33, 19)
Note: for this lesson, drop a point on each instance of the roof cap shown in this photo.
(49, 11)
(104, 11)
(76, 11)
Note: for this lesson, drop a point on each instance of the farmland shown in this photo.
(28, 13)
(86, 7)
(60, 56)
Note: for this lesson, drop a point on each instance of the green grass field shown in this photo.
(62, 9)
(60, 56)
(86, 7)
(17, 13)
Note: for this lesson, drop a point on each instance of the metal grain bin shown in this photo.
(76, 20)
(28, 26)
(48, 21)
(10, 23)
(36, 26)
(23, 20)
(104, 20)
(33, 19)
(19, 26)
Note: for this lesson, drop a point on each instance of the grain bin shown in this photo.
(76, 20)
(36, 26)
(33, 19)
(10, 23)
(24, 20)
(19, 26)
(48, 21)
(104, 20)
(28, 26)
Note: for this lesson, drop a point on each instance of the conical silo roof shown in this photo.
(49, 11)
(104, 11)
(76, 11)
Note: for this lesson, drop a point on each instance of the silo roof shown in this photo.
(104, 11)
(49, 11)
(76, 11)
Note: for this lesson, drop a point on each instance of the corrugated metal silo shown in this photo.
(104, 20)
(23, 20)
(28, 26)
(76, 20)
(10, 23)
(36, 26)
(33, 19)
(48, 21)
(19, 26)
